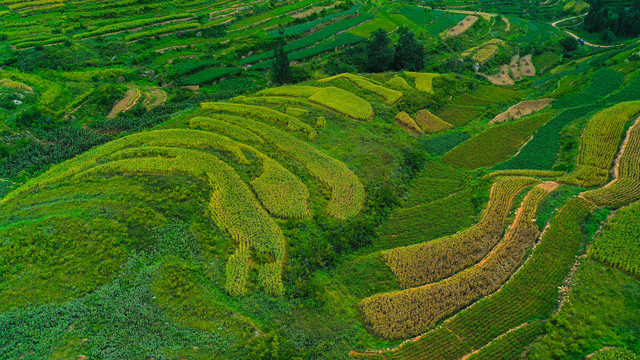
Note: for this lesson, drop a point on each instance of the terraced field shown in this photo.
(229, 180)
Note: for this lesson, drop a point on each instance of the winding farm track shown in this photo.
(555, 25)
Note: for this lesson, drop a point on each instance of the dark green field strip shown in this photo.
(541, 152)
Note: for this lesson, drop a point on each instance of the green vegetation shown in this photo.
(283, 179)
(496, 144)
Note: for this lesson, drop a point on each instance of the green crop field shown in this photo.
(326, 180)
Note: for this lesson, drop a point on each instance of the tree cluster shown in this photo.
(613, 21)
(407, 54)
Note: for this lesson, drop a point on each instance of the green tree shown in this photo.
(281, 72)
(408, 53)
(569, 45)
(379, 54)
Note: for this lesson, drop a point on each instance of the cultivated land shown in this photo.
(162, 197)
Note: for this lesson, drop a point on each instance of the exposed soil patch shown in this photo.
(462, 26)
(521, 109)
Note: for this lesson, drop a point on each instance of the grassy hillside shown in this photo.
(161, 197)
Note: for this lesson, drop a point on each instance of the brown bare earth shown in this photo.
(514, 68)
(130, 99)
(462, 26)
(502, 78)
(508, 28)
(521, 109)
(526, 66)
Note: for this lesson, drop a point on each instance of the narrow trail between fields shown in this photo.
(555, 25)
(616, 163)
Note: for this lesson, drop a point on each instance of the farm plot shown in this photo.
(429, 123)
(389, 96)
(431, 261)
(263, 113)
(451, 212)
(599, 144)
(130, 99)
(462, 26)
(495, 144)
(423, 81)
(458, 115)
(625, 188)
(435, 21)
(344, 103)
(541, 152)
(408, 312)
(347, 192)
(521, 109)
(619, 242)
(603, 82)
(310, 40)
(512, 305)
(405, 121)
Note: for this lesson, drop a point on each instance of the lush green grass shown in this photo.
(618, 244)
(577, 330)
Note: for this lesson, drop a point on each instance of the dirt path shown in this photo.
(616, 163)
(555, 25)
(504, 18)
(484, 15)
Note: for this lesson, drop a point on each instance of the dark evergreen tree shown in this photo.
(281, 71)
(379, 54)
(408, 53)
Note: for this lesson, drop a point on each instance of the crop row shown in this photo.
(274, 100)
(512, 344)
(308, 26)
(390, 96)
(309, 40)
(291, 90)
(262, 113)
(603, 82)
(541, 152)
(123, 26)
(529, 295)
(434, 260)
(281, 192)
(405, 121)
(429, 123)
(15, 85)
(232, 204)
(626, 187)
(495, 144)
(458, 115)
(162, 30)
(347, 192)
(423, 81)
(343, 102)
(617, 244)
(599, 144)
(409, 312)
